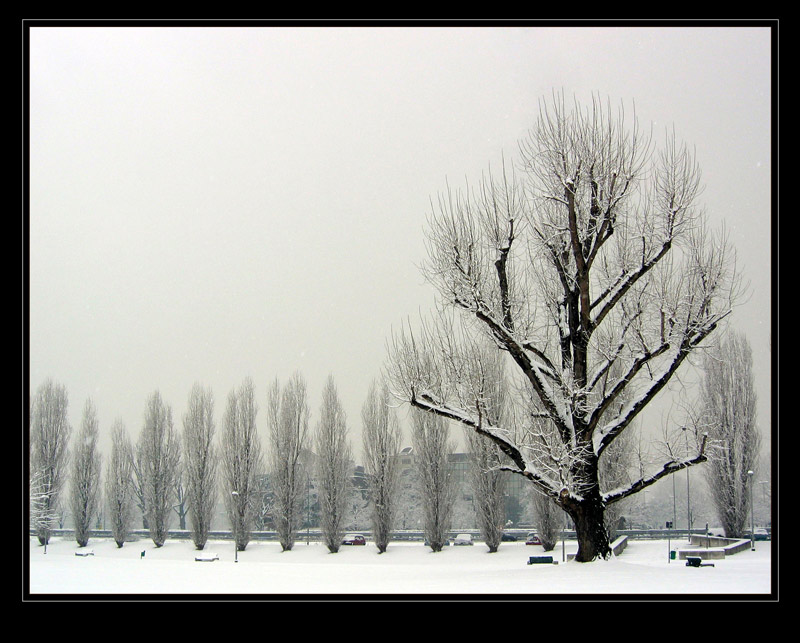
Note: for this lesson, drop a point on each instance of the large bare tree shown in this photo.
(159, 450)
(200, 462)
(594, 254)
(85, 475)
(381, 436)
(119, 484)
(242, 462)
(288, 416)
(333, 466)
(49, 454)
(728, 415)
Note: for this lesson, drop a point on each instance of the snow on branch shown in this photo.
(427, 402)
(667, 469)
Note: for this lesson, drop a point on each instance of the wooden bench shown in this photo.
(85, 552)
(206, 557)
(696, 561)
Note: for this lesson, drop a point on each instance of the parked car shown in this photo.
(354, 539)
(533, 539)
(761, 534)
(509, 538)
(463, 539)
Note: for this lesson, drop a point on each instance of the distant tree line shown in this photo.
(167, 472)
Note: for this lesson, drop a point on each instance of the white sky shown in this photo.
(214, 203)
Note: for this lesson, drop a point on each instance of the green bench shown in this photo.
(540, 560)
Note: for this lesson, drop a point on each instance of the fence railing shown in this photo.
(314, 535)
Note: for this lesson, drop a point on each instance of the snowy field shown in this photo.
(405, 570)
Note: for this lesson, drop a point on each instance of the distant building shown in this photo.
(460, 466)
(516, 491)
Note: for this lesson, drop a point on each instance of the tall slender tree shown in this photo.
(288, 432)
(85, 478)
(200, 462)
(49, 454)
(729, 417)
(436, 484)
(381, 436)
(486, 475)
(119, 484)
(159, 446)
(334, 464)
(548, 518)
(242, 462)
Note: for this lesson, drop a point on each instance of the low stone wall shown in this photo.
(713, 547)
(716, 553)
(619, 545)
(736, 547)
(710, 541)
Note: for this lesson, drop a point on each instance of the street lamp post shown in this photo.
(688, 504)
(752, 518)
(235, 495)
(669, 541)
(671, 525)
(308, 508)
(674, 513)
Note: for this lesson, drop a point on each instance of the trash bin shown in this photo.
(672, 554)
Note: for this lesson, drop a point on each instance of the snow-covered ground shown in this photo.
(406, 569)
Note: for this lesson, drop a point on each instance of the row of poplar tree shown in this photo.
(228, 465)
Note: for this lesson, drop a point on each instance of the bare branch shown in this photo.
(667, 469)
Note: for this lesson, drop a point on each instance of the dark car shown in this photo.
(761, 534)
(508, 538)
(354, 539)
(533, 539)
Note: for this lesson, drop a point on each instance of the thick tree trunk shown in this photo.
(588, 512)
(590, 530)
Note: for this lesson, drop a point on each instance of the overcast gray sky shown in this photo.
(214, 203)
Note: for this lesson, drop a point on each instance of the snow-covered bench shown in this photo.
(85, 552)
(206, 557)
